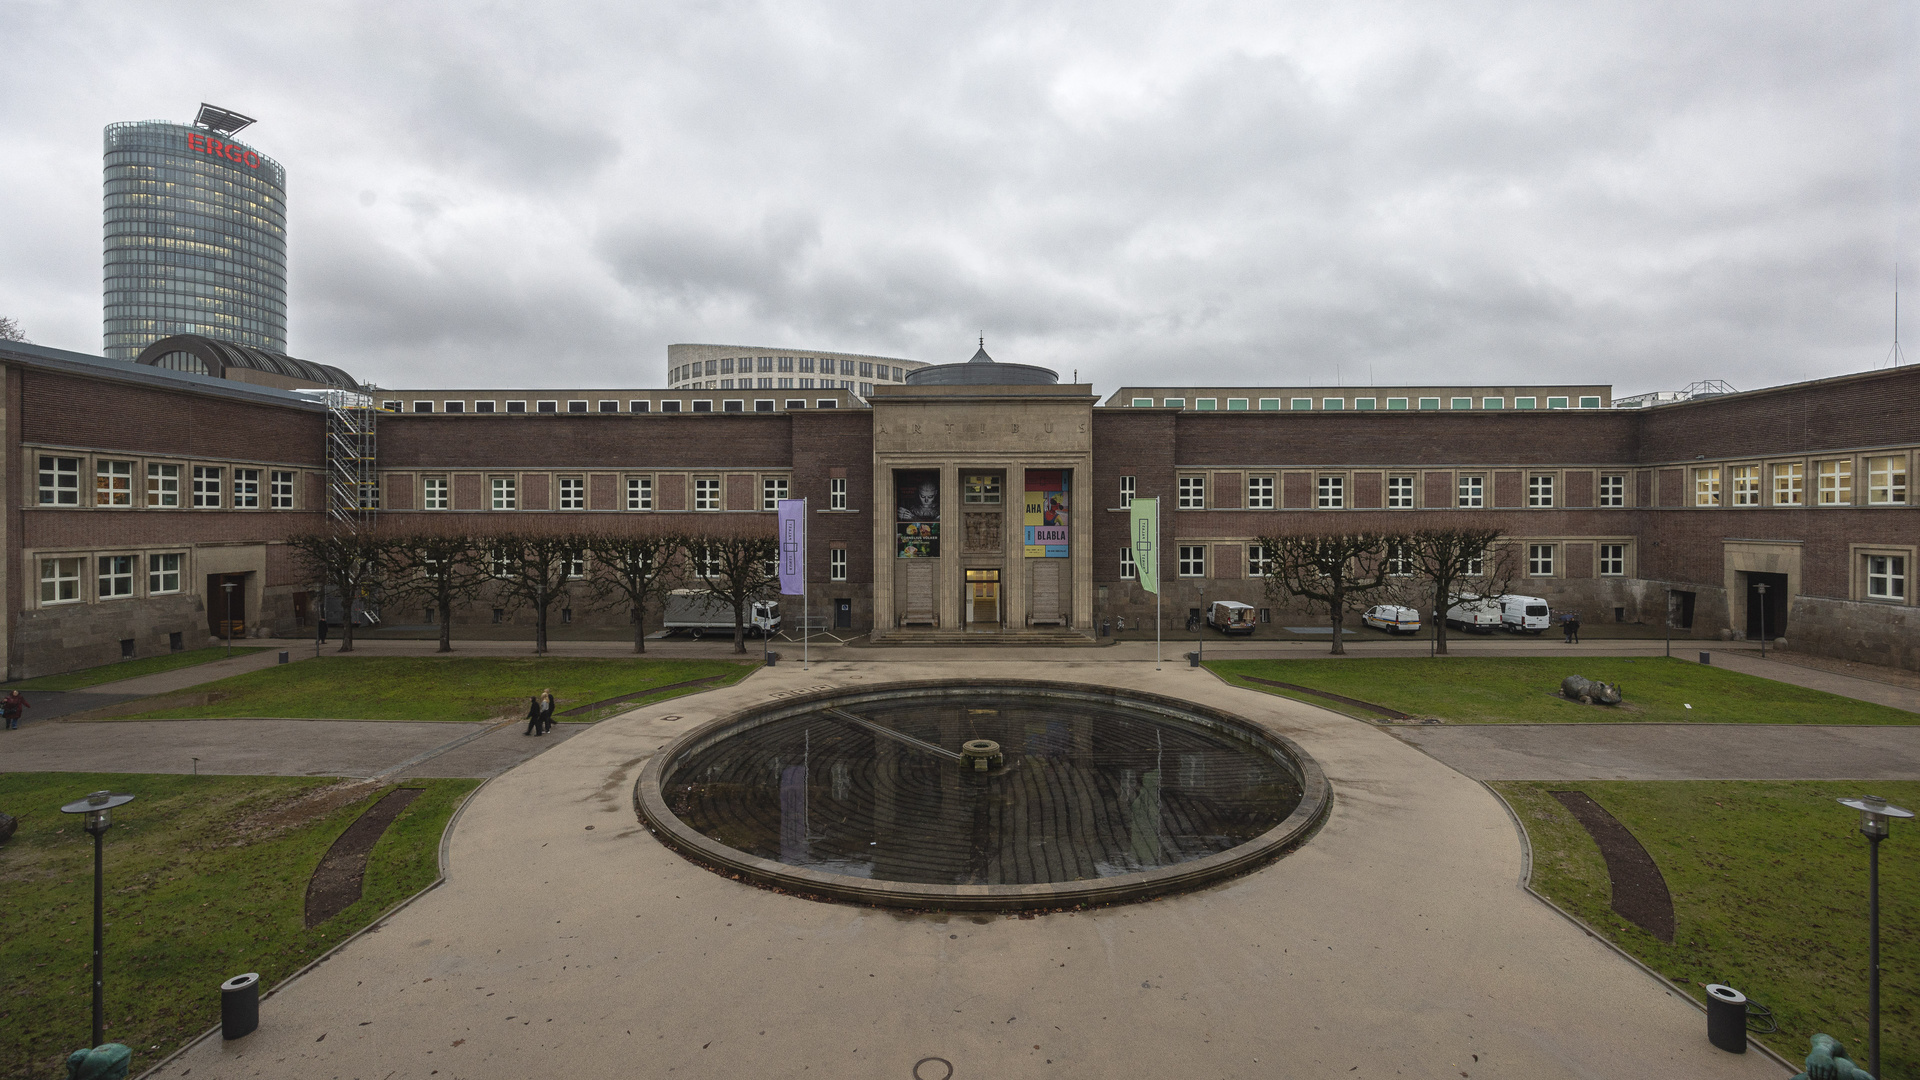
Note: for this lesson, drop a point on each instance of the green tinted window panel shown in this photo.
(1143, 403)
(1396, 404)
(1303, 403)
(1556, 403)
(1589, 402)
(1429, 403)
(1463, 403)
(1206, 404)
(1267, 403)
(1526, 403)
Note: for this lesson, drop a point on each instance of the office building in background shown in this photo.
(196, 235)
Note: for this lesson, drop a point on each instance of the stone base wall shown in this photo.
(52, 640)
(1886, 634)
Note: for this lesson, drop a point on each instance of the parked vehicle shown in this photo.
(1231, 617)
(1475, 614)
(701, 613)
(1392, 618)
(1523, 614)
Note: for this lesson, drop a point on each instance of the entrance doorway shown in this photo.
(1766, 612)
(227, 608)
(843, 613)
(983, 597)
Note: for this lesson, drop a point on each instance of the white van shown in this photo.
(1392, 618)
(1231, 617)
(1478, 614)
(1523, 614)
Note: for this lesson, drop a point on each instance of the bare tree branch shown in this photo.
(634, 568)
(353, 566)
(736, 564)
(1332, 572)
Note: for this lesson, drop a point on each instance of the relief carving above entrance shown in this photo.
(982, 532)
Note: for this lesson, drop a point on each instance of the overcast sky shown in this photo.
(548, 194)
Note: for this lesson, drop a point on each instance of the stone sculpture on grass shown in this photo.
(1588, 692)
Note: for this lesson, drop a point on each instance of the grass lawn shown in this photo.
(128, 669)
(1526, 690)
(203, 882)
(430, 688)
(1769, 884)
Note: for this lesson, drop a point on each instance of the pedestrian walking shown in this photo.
(11, 707)
(546, 712)
(323, 629)
(533, 716)
(1573, 628)
(1566, 628)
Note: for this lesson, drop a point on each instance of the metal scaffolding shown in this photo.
(353, 485)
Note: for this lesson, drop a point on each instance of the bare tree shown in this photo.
(352, 566)
(737, 566)
(10, 330)
(1333, 572)
(536, 569)
(440, 567)
(1458, 561)
(634, 568)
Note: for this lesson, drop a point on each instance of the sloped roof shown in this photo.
(220, 355)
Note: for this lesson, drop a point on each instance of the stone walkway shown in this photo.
(567, 941)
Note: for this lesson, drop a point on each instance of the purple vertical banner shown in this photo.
(793, 546)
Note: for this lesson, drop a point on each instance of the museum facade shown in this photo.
(975, 498)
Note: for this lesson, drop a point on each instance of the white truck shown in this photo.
(1231, 617)
(700, 613)
(1523, 614)
(1478, 614)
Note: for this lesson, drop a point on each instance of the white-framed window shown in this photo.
(1493, 403)
(504, 495)
(1206, 404)
(836, 564)
(1556, 403)
(392, 406)
(488, 406)
(576, 406)
(639, 492)
(1706, 486)
(546, 406)
(1396, 404)
(1475, 567)
(1366, 403)
(1539, 560)
(706, 493)
(163, 572)
(1193, 493)
(1613, 489)
(981, 489)
(435, 493)
(1399, 560)
(837, 493)
(500, 562)
(1259, 492)
(1399, 492)
(1613, 560)
(772, 490)
(1540, 489)
(1193, 560)
(1526, 403)
(1463, 403)
(1333, 492)
(115, 577)
(1886, 577)
(1887, 480)
(1836, 482)
(576, 564)
(113, 483)
(206, 486)
(454, 406)
(280, 489)
(1300, 404)
(59, 481)
(1236, 404)
(1142, 403)
(1126, 492)
(1790, 483)
(1128, 570)
(1473, 492)
(1745, 482)
(573, 492)
(60, 580)
(1259, 565)
(1269, 404)
(1429, 404)
(423, 406)
(246, 489)
(1173, 403)
(1333, 404)
(1590, 402)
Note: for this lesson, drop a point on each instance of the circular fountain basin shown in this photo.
(883, 796)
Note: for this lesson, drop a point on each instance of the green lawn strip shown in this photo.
(196, 892)
(1769, 886)
(1526, 690)
(128, 669)
(433, 688)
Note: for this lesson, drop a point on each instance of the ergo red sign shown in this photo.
(207, 144)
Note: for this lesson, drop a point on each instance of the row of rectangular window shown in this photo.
(609, 405)
(1743, 485)
(1364, 404)
(1331, 491)
(1541, 561)
(212, 487)
(865, 369)
(61, 577)
(504, 493)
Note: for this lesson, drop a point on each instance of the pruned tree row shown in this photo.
(535, 569)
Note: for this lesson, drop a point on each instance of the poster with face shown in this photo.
(918, 495)
(1048, 497)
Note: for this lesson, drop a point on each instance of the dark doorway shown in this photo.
(224, 620)
(1680, 610)
(1766, 613)
(843, 614)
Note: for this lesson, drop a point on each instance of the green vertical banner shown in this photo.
(1143, 534)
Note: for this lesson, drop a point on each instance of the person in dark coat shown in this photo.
(323, 631)
(1573, 628)
(546, 712)
(533, 716)
(11, 707)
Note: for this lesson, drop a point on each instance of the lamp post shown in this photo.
(1669, 621)
(1875, 813)
(98, 808)
(228, 586)
(1762, 590)
(1200, 628)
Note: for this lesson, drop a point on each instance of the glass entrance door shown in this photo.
(983, 596)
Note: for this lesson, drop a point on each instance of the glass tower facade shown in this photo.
(196, 239)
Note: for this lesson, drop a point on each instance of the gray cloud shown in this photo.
(520, 193)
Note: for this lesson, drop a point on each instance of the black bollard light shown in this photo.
(98, 808)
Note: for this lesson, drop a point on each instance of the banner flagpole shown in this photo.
(1156, 585)
(806, 615)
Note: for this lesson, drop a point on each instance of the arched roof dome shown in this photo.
(983, 370)
(210, 356)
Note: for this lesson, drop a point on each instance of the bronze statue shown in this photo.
(1828, 1061)
(1588, 692)
(108, 1061)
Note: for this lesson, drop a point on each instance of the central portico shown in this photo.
(981, 477)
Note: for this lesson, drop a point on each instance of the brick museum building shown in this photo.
(147, 487)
